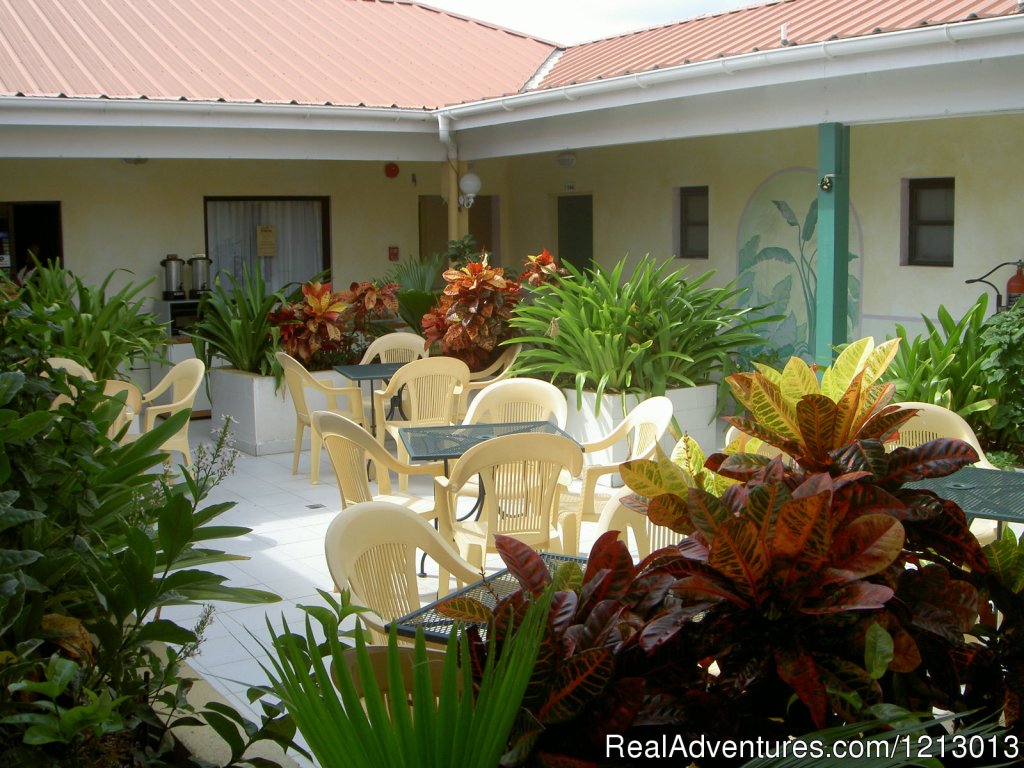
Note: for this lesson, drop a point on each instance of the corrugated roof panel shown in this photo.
(345, 52)
(757, 27)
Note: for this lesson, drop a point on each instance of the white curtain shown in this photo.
(231, 227)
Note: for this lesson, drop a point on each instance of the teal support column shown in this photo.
(833, 239)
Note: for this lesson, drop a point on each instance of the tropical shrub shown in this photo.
(235, 325)
(93, 542)
(103, 332)
(472, 316)
(946, 366)
(1002, 369)
(814, 592)
(601, 331)
(313, 327)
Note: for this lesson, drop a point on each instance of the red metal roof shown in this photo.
(378, 53)
(757, 28)
(381, 53)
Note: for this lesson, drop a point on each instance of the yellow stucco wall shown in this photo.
(632, 199)
(115, 214)
(120, 215)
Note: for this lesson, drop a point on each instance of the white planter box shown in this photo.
(693, 408)
(264, 420)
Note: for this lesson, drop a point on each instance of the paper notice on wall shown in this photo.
(266, 240)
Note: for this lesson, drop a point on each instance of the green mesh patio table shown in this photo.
(988, 493)
(436, 626)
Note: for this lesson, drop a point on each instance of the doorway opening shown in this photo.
(576, 230)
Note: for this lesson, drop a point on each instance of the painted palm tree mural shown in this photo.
(778, 260)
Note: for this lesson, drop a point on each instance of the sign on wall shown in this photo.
(266, 240)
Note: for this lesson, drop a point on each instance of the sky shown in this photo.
(576, 21)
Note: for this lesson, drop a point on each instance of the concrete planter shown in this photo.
(264, 419)
(693, 407)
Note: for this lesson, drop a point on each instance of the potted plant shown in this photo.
(236, 338)
(472, 317)
(612, 337)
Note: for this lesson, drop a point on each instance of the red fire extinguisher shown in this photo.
(1014, 286)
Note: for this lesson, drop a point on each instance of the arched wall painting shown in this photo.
(777, 243)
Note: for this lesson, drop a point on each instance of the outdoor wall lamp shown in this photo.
(1014, 287)
(469, 186)
(826, 182)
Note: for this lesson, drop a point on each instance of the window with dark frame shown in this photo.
(928, 220)
(692, 223)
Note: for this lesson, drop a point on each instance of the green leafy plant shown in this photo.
(103, 330)
(1002, 368)
(946, 366)
(419, 286)
(93, 543)
(455, 724)
(637, 333)
(234, 323)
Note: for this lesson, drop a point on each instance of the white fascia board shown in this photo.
(52, 127)
(976, 88)
(224, 144)
(48, 111)
(1001, 38)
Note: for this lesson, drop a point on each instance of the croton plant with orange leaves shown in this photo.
(313, 326)
(820, 589)
(472, 315)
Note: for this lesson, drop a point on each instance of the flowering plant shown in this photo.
(472, 315)
(313, 327)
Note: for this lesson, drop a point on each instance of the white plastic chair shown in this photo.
(371, 550)
(518, 399)
(647, 537)
(640, 430)
(298, 380)
(183, 381)
(520, 476)
(432, 391)
(398, 347)
(932, 422)
(350, 448)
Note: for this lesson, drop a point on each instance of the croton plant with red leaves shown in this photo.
(471, 318)
(818, 590)
(313, 326)
(540, 269)
(371, 300)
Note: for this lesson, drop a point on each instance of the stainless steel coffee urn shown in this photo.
(174, 281)
(200, 265)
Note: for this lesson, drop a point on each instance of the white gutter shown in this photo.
(49, 111)
(889, 42)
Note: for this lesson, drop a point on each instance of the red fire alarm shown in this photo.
(391, 170)
(392, 253)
